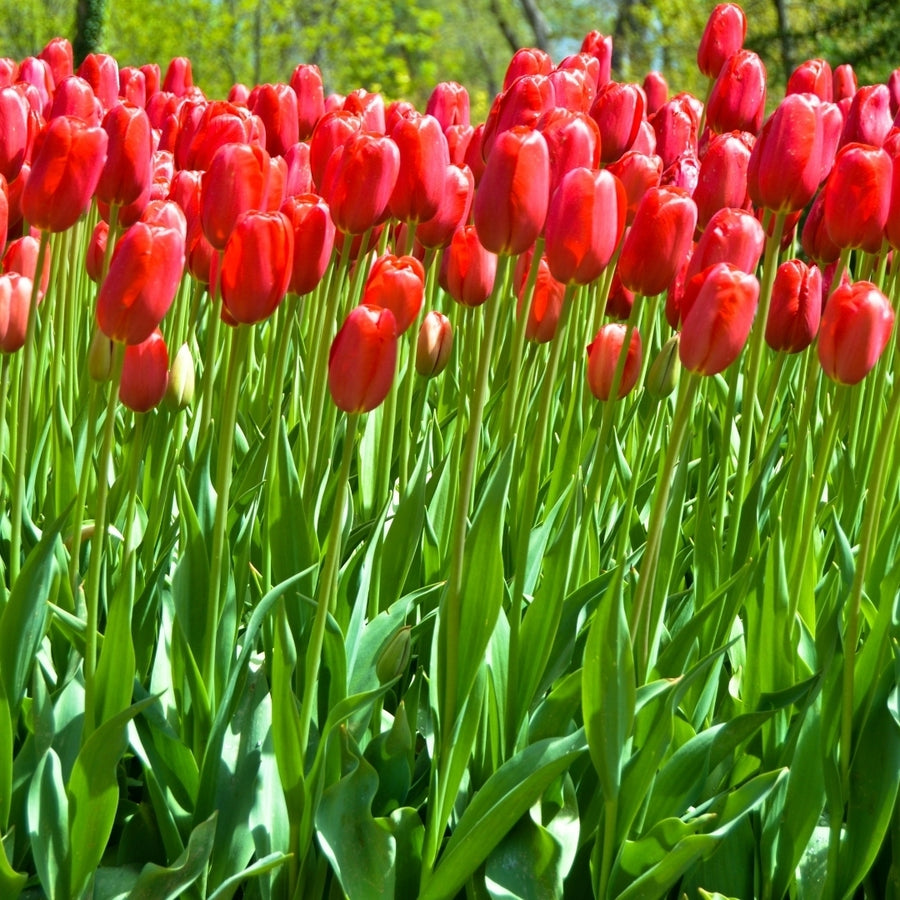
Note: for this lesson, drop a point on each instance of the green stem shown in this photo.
(98, 542)
(210, 358)
(25, 390)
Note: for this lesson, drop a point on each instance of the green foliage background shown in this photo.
(403, 48)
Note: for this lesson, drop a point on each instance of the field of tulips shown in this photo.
(399, 507)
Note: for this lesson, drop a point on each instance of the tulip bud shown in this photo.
(844, 83)
(733, 236)
(658, 241)
(145, 373)
(180, 387)
(722, 37)
(434, 344)
(127, 170)
(511, 203)
(603, 359)
(179, 78)
(396, 283)
(68, 160)
(133, 86)
(467, 268)
(856, 326)
(394, 657)
(811, 77)
(814, 239)
(15, 302)
(618, 110)
(656, 90)
(314, 233)
(585, 223)
(256, 266)
(369, 107)
(546, 300)
(362, 359)
(662, 377)
(75, 97)
(306, 82)
(683, 173)
(718, 323)
(101, 72)
(521, 104)
(738, 98)
(796, 307)
(58, 54)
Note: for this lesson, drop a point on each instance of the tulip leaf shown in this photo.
(48, 825)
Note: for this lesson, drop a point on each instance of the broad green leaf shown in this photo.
(289, 752)
(115, 669)
(526, 864)
(48, 825)
(495, 809)
(12, 883)
(166, 883)
(227, 888)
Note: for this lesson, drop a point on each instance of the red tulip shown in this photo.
(424, 158)
(4, 211)
(573, 140)
(179, 78)
(603, 359)
(434, 344)
(453, 210)
(601, 48)
(449, 104)
(737, 101)
(101, 72)
(619, 301)
(152, 78)
(256, 266)
(675, 124)
(856, 326)
(546, 299)
(314, 233)
(588, 65)
(467, 268)
(276, 105)
(656, 90)
(732, 235)
(75, 97)
(811, 77)
(638, 172)
(68, 160)
(362, 360)
(396, 283)
(331, 132)
(235, 183)
(145, 373)
(844, 83)
(474, 158)
(617, 110)
(21, 257)
(58, 54)
(571, 89)
(522, 104)
(683, 172)
(722, 179)
(306, 82)
(458, 139)
(814, 239)
(585, 223)
(144, 274)
(796, 307)
(787, 161)
(133, 86)
(869, 119)
(96, 251)
(13, 132)
(527, 61)
(717, 325)
(723, 36)
(205, 129)
(369, 107)
(893, 84)
(127, 170)
(857, 197)
(511, 202)
(15, 302)
(659, 239)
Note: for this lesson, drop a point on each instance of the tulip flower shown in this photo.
(21, 256)
(683, 172)
(856, 326)
(256, 266)
(617, 110)
(453, 210)
(717, 325)
(722, 37)
(396, 283)
(619, 301)
(844, 82)
(359, 180)
(58, 54)
(467, 268)
(571, 89)
(588, 65)
(179, 78)
(434, 344)
(75, 97)
(182, 377)
(15, 300)
(314, 233)
(738, 98)
(449, 104)
(144, 274)
(521, 104)
(658, 241)
(527, 61)
(796, 307)
(362, 359)
(786, 162)
(732, 235)
(276, 105)
(585, 223)
(133, 86)
(145, 373)
(893, 84)
(369, 106)
(603, 359)
(722, 179)
(236, 182)
(656, 90)
(869, 119)
(638, 172)
(68, 160)
(101, 72)
(811, 77)
(675, 125)
(814, 238)
(474, 158)
(4, 211)
(573, 140)
(856, 197)
(511, 203)
(546, 300)
(601, 48)
(424, 158)
(127, 170)
(36, 73)
(306, 82)
(458, 139)
(96, 251)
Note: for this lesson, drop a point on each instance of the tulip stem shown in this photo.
(25, 390)
(748, 394)
(218, 584)
(326, 599)
(98, 542)
(210, 357)
(83, 483)
(642, 612)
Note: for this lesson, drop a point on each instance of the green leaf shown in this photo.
(269, 862)
(115, 669)
(158, 883)
(48, 825)
(526, 864)
(93, 795)
(609, 691)
(494, 810)
(12, 883)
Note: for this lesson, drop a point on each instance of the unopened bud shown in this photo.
(394, 658)
(180, 389)
(434, 344)
(100, 357)
(663, 375)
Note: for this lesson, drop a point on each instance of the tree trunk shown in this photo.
(784, 38)
(89, 16)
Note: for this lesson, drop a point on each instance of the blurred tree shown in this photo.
(89, 16)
